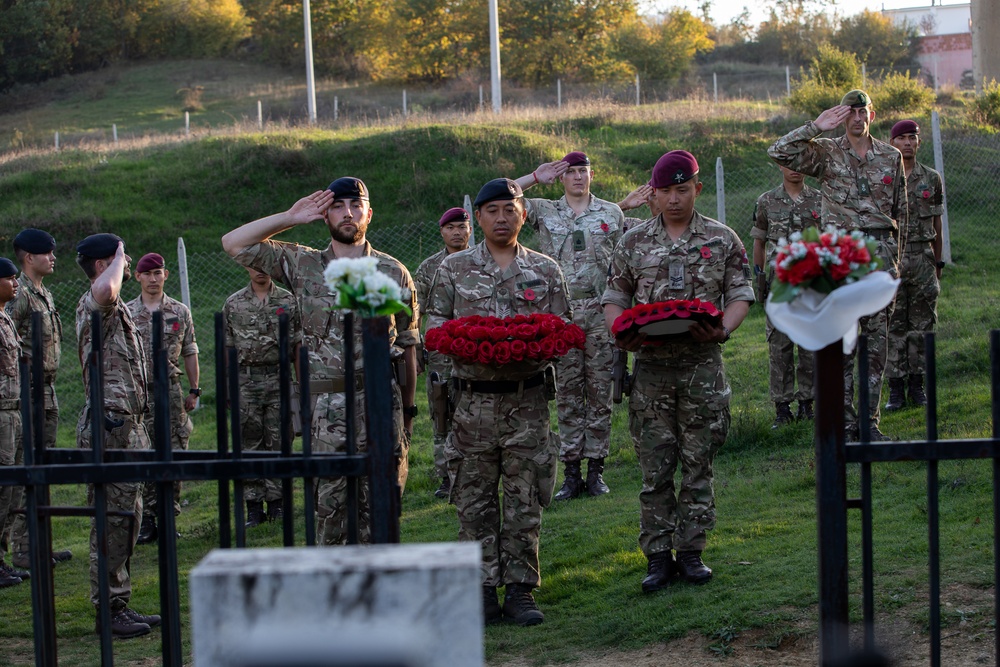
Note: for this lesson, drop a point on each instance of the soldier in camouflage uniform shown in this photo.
(251, 316)
(679, 406)
(500, 430)
(102, 257)
(779, 213)
(10, 414)
(916, 300)
(179, 342)
(580, 231)
(455, 232)
(863, 187)
(34, 251)
(345, 208)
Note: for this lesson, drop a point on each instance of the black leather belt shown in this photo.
(498, 386)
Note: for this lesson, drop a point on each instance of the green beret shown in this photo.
(856, 98)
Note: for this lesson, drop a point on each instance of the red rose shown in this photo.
(525, 332)
(548, 346)
(574, 337)
(840, 271)
(469, 349)
(802, 270)
(521, 319)
(484, 354)
(548, 326)
(534, 350)
(518, 349)
(561, 346)
(498, 334)
(478, 333)
(432, 339)
(501, 353)
(887, 179)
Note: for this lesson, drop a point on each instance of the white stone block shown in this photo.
(405, 605)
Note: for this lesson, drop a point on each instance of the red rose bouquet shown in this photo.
(663, 320)
(498, 341)
(821, 261)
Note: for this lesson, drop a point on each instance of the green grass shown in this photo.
(764, 548)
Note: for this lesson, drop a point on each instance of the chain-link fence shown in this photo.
(972, 171)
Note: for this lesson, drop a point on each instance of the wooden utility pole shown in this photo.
(985, 45)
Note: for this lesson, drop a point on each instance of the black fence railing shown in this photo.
(229, 466)
(832, 456)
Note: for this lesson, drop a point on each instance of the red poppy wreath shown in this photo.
(664, 320)
(497, 341)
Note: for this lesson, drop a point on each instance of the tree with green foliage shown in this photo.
(831, 74)
(878, 41)
(663, 49)
(793, 31)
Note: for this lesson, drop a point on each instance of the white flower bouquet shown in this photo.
(359, 286)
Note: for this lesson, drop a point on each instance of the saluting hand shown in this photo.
(549, 172)
(310, 208)
(636, 198)
(832, 118)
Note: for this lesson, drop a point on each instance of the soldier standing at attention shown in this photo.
(10, 414)
(501, 424)
(102, 257)
(863, 187)
(916, 300)
(455, 232)
(179, 342)
(344, 207)
(679, 406)
(34, 251)
(789, 208)
(252, 328)
(580, 231)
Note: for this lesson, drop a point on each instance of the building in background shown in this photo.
(945, 41)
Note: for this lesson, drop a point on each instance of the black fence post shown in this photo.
(222, 429)
(382, 478)
(350, 401)
(285, 421)
(95, 376)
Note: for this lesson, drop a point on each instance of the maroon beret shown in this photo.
(452, 215)
(904, 127)
(576, 158)
(673, 168)
(148, 262)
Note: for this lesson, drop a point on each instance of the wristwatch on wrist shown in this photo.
(410, 410)
(195, 391)
(728, 333)
(939, 264)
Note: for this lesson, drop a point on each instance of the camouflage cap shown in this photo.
(7, 268)
(576, 158)
(35, 241)
(498, 188)
(856, 98)
(455, 214)
(674, 168)
(99, 246)
(904, 127)
(349, 187)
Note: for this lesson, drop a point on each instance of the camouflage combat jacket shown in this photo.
(178, 332)
(30, 300)
(10, 353)
(125, 371)
(925, 196)
(581, 244)
(252, 325)
(301, 268)
(867, 194)
(776, 216)
(471, 283)
(707, 262)
(423, 277)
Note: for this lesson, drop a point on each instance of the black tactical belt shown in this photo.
(10, 404)
(260, 370)
(498, 386)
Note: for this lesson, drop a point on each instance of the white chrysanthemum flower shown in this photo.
(350, 270)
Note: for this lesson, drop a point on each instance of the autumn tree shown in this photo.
(878, 41)
(663, 49)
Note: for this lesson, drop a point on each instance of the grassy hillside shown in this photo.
(764, 548)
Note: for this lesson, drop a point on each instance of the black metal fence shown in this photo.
(229, 466)
(832, 456)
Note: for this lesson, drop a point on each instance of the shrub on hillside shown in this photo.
(900, 94)
(831, 74)
(985, 108)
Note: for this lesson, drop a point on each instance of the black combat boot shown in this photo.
(444, 490)
(123, 626)
(783, 414)
(519, 605)
(877, 435)
(691, 569)
(805, 411)
(595, 478)
(147, 534)
(897, 399)
(573, 483)
(274, 510)
(255, 513)
(152, 620)
(916, 390)
(491, 606)
(660, 571)
(12, 575)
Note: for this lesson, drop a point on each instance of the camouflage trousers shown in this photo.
(915, 314)
(122, 530)
(678, 414)
(11, 454)
(180, 433)
(19, 530)
(329, 434)
(501, 441)
(784, 371)
(583, 388)
(260, 429)
(874, 326)
(440, 364)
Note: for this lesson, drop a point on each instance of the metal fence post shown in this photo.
(720, 191)
(939, 166)
(383, 481)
